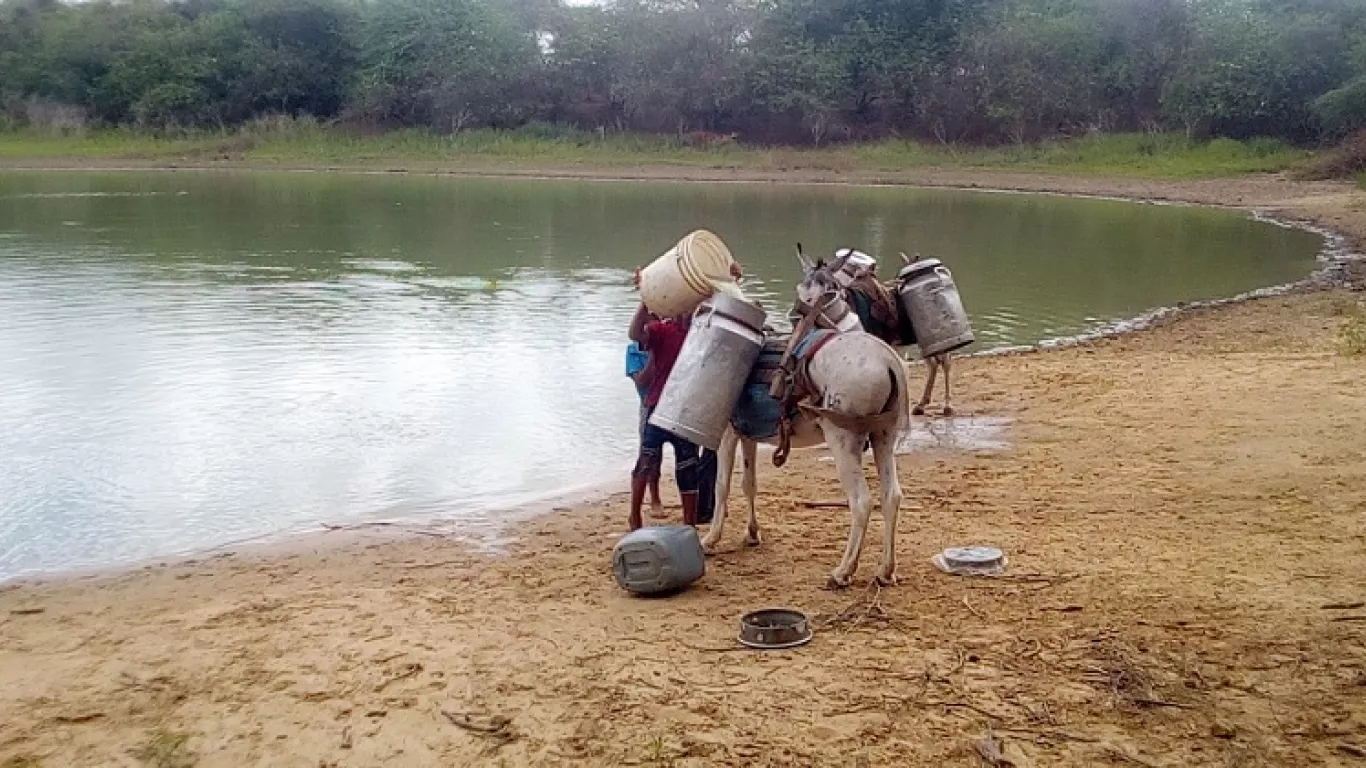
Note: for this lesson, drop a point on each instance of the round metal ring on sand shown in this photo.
(773, 629)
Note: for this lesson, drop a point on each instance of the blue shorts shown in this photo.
(651, 458)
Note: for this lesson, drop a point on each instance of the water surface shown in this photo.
(193, 358)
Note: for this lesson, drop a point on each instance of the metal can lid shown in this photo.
(973, 557)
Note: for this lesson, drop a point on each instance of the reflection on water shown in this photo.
(188, 359)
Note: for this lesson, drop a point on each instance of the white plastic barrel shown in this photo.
(686, 275)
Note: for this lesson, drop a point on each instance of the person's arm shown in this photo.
(645, 376)
(638, 332)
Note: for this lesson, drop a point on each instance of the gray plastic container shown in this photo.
(658, 559)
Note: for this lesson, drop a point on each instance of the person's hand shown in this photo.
(736, 271)
(635, 278)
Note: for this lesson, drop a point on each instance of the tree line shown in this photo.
(781, 71)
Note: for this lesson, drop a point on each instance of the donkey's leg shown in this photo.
(884, 453)
(725, 464)
(749, 481)
(847, 449)
(931, 363)
(948, 395)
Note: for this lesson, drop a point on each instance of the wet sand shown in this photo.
(1184, 508)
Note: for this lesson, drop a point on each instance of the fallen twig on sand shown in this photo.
(489, 725)
(83, 717)
(1144, 701)
(872, 611)
(1342, 606)
(408, 670)
(1126, 756)
(1353, 750)
(1051, 734)
(26, 611)
(713, 649)
(965, 705)
(971, 609)
(440, 564)
(823, 504)
(1044, 580)
(1348, 618)
(1000, 753)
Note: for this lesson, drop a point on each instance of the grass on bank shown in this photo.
(282, 141)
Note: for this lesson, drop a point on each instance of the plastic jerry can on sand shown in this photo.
(658, 559)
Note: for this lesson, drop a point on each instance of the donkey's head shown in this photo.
(818, 284)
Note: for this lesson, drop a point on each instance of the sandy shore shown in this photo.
(1185, 509)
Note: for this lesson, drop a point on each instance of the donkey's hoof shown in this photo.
(886, 579)
(948, 410)
(919, 410)
(753, 539)
(708, 547)
(835, 583)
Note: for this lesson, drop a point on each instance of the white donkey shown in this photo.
(856, 394)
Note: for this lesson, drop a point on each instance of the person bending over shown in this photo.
(662, 339)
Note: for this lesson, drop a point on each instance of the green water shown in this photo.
(193, 358)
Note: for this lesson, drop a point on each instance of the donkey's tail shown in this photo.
(900, 396)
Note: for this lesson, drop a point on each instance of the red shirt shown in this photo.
(663, 340)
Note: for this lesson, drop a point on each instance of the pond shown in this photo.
(193, 358)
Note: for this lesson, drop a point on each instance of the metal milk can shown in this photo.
(723, 344)
(835, 314)
(854, 264)
(930, 298)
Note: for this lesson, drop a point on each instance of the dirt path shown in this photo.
(1181, 506)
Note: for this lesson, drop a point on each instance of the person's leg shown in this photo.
(646, 471)
(656, 503)
(685, 472)
(706, 486)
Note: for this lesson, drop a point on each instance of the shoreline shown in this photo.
(1342, 250)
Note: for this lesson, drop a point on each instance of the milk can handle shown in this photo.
(943, 272)
(710, 312)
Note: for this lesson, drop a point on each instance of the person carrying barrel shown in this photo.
(662, 340)
(641, 373)
(694, 471)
